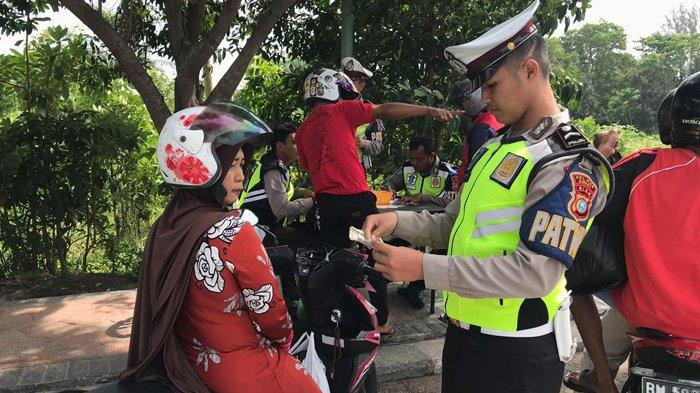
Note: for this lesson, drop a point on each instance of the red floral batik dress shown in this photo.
(234, 325)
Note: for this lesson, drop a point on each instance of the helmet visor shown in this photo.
(232, 124)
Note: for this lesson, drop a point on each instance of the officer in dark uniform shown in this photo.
(270, 193)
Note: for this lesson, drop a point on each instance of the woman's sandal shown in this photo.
(580, 381)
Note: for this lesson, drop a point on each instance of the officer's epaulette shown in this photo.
(270, 162)
(447, 167)
(569, 137)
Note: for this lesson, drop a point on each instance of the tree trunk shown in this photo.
(229, 82)
(127, 59)
(87, 249)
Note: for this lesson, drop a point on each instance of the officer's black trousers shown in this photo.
(337, 214)
(475, 362)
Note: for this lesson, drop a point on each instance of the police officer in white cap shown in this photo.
(369, 137)
(527, 200)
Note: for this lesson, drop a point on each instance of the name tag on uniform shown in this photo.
(435, 181)
(411, 181)
(508, 170)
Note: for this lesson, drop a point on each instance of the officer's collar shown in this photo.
(545, 127)
(434, 169)
(273, 156)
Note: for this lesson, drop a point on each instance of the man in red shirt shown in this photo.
(327, 150)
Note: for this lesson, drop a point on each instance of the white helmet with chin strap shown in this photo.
(328, 85)
(186, 145)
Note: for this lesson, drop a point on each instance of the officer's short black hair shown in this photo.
(281, 132)
(422, 140)
(534, 47)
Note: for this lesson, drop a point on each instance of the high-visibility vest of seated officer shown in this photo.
(436, 185)
(525, 206)
(270, 176)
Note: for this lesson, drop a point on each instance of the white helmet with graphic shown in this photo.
(185, 149)
(329, 85)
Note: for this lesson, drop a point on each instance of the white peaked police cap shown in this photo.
(480, 59)
(350, 65)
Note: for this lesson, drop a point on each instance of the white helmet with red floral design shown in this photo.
(185, 149)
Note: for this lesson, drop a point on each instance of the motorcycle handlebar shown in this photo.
(370, 271)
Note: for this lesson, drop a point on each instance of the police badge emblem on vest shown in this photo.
(508, 170)
(435, 181)
(411, 180)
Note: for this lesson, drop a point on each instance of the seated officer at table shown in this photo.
(270, 193)
(425, 179)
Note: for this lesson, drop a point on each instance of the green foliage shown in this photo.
(19, 16)
(617, 87)
(683, 20)
(79, 181)
(631, 139)
(53, 63)
(273, 91)
(599, 50)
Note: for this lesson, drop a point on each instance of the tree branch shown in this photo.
(128, 62)
(195, 16)
(176, 32)
(205, 47)
(228, 83)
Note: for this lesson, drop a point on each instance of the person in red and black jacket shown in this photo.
(481, 123)
(656, 205)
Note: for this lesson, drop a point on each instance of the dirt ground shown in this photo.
(43, 286)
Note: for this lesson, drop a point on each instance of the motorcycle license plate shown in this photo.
(653, 385)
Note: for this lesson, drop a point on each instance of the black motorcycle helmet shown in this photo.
(685, 116)
(664, 118)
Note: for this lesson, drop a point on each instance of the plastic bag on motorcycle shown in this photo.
(600, 262)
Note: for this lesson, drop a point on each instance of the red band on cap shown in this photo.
(475, 66)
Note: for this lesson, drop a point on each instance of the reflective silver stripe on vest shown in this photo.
(497, 214)
(256, 192)
(248, 199)
(496, 228)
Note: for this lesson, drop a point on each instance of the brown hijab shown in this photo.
(154, 352)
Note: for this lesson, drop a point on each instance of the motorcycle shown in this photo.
(662, 363)
(333, 304)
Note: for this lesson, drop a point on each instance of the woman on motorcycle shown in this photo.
(209, 314)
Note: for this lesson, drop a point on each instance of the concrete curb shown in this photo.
(394, 362)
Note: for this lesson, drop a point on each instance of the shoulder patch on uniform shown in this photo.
(556, 224)
(584, 189)
(507, 171)
(570, 137)
(541, 128)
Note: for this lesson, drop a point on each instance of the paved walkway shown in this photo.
(68, 340)
(62, 342)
